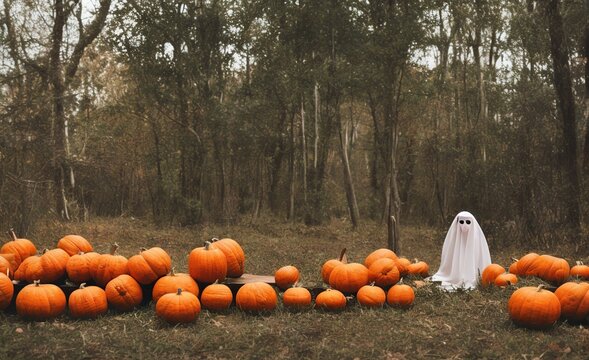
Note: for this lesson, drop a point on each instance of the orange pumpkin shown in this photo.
(216, 297)
(403, 265)
(331, 300)
(490, 273)
(149, 265)
(6, 290)
(5, 266)
(74, 244)
(521, 266)
(349, 278)
(255, 297)
(207, 264)
(371, 296)
(20, 248)
(170, 284)
(418, 268)
(505, 279)
(379, 254)
(384, 272)
(180, 307)
(286, 276)
(550, 268)
(49, 267)
(234, 255)
(87, 302)
(574, 301)
(79, 267)
(296, 298)
(329, 265)
(108, 266)
(580, 270)
(123, 293)
(40, 301)
(401, 296)
(534, 308)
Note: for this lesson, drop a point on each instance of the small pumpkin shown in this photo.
(256, 297)
(20, 248)
(403, 265)
(79, 267)
(331, 264)
(123, 293)
(74, 244)
(534, 308)
(331, 300)
(40, 301)
(384, 272)
(418, 268)
(216, 297)
(521, 267)
(574, 301)
(379, 254)
(6, 266)
(505, 279)
(234, 255)
(286, 276)
(87, 302)
(371, 296)
(490, 273)
(108, 266)
(170, 284)
(349, 278)
(580, 270)
(207, 264)
(6, 290)
(149, 265)
(48, 268)
(180, 307)
(401, 296)
(296, 298)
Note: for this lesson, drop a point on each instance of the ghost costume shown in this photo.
(465, 254)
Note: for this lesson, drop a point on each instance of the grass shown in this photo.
(440, 325)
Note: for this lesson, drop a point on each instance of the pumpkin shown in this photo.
(574, 301)
(233, 254)
(329, 265)
(207, 264)
(74, 244)
(108, 266)
(49, 267)
(401, 296)
(403, 265)
(286, 276)
(580, 271)
(296, 298)
(87, 302)
(418, 268)
(8, 261)
(123, 293)
(521, 266)
(216, 297)
(255, 297)
(384, 272)
(40, 301)
(349, 278)
(490, 273)
(6, 290)
(371, 296)
(149, 265)
(171, 283)
(79, 267)
(180, 307)
(331, 300)
(505, 279)
(5, 267)
(379, 254)
(533, 307)
(550, 268)
(20, 248)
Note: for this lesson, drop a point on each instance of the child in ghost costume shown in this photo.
(465, 254)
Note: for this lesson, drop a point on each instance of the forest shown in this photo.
(186, 112)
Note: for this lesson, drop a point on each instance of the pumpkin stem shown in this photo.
(179, 291)
(12, 234)
(45, 250)
(113, 248)
(579, 263)
(207, 245)
(214, 239)
(372, 283)
(514, 259)
(342, 256)
(37, 282)
(415, 260)
(8, 273)
(541, 287)
(142, 249)
(82, 285)
(173, 271)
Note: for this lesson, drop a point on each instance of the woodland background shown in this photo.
(219, 111)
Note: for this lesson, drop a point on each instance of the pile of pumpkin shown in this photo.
(536, 307)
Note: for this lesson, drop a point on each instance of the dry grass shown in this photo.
(440, 325)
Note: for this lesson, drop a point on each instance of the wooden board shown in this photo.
(250, 278)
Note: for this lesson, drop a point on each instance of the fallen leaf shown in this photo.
(19, 330)
(419, 283)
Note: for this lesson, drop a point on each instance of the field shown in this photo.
(440, 325)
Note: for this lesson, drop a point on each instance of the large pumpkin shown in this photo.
(379, 254)
(21, 248)
(179, 307)
(371, 296)
(490, 273)
(48, 268)
(286, 277)
(149, 265)
(331, 300)
(6, 290)
(87, 302)
(79, 267)
(534, 308)
(384, 272)
(574, 300)
(123, 293)
(40, 301)
(521, 267)
(171, 283)
(74, 244)
(331, 264)
(349, 278)
(234, 255)
(296, 298)
(550, 268)
(108, 266)
(207, 264)
(256, 297)
(216, 297)
(401, 296)
(580, 270)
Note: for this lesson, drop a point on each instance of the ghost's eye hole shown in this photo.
(468, 222)
(461, 221)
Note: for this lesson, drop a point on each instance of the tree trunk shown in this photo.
(348, 181)
(304, 149)
(291, 172)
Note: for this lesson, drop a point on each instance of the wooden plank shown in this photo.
(250, 278)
